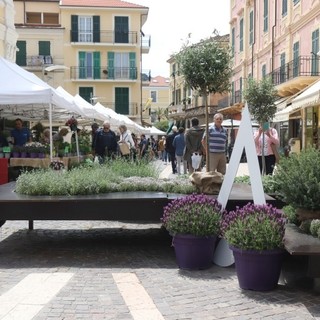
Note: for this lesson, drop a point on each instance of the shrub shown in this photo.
(298, 179)
(290, 213)
(315, 227)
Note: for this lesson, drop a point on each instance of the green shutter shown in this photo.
(21, 55)
(295, 59)
(86, 93)
(132, 64)
(96, 65)
(44, 48)
(111, 65)
(121, 29)
(96, 28)
(74, 28)
(315, 49)
(122, 100)
(82, 65)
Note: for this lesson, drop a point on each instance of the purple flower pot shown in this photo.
(193, 252)
(258, 270)
(23, 155)
(33, 155)
(16, 154)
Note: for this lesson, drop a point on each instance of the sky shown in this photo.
(171, 21)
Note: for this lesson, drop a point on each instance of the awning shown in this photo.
(311, 96)
(282, 115)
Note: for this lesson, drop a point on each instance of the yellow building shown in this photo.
(156, 99)
(90, 48)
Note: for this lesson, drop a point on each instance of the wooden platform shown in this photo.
(140, 207)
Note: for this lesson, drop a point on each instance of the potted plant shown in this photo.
(255, 234)
(16, 151)
(194, 223)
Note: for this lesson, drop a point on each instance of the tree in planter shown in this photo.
(261, 96)
(206, 68)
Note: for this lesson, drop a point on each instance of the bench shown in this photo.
(298, 243)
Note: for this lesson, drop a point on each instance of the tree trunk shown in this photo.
(207, 134)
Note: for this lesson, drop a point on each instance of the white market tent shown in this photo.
(24, 95)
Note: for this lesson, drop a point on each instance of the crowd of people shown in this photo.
(178, 148)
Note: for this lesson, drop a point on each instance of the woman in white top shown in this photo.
(125, 137)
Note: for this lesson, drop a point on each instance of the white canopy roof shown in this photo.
(309, 97)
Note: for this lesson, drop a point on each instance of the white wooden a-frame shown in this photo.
(244, 140)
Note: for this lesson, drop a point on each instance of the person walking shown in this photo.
(162, 149)
(193, 138)
(170, 148)
(266, 139)
(179, 145)
(217, 145)
(105, 143)
(126, 137)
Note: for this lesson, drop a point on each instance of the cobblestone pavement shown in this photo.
(92, 252)
(87, 259)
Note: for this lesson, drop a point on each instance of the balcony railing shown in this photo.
(130, 108)
(302, 66)
(38, 61)
(114, 37)
(103, 73)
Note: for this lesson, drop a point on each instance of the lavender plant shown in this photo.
(195, 214)
(254, 227)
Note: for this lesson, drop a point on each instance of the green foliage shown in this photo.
(298, 179)
(290, 213)
(261, 96)
(315, 227)
(162, 125)
(91, 178)
(205, 66)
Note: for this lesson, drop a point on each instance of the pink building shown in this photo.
(278, 38)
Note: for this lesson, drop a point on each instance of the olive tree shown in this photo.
(261, 96)
(206, 68)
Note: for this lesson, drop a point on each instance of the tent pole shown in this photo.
(50, 124)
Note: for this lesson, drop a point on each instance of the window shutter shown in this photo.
(74, 28)
(111, 65)
(96, 65)
(21, 55)
(82, 65)
(96, 28)
(132, 63)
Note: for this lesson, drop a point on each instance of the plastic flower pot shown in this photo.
(193, 252)
(258, 270)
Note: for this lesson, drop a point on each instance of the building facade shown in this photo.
(280, 39)
(90, 48)
(8, 34)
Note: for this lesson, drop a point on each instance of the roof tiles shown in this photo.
(100, 3)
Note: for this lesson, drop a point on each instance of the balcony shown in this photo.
(105, 37)
(103, 73)
(39, 61)
(145, 44)
(296, 75)
(129, 109)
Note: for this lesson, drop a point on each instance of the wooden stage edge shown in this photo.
(137, 207)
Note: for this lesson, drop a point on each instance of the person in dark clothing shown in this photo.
(3, 141)
(193, 139)
(105, 142)
(171, 149)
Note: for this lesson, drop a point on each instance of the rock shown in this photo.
(207, 182)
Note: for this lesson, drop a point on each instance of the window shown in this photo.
(44, 52)
(122, 65)
(85, 29)
(315, 50)
(296, 59)
(282, 67)
(232, 41)
(21, 55)
(33, 17)
(50, 18)
(241, 35)
(122, 100)
(121, 29)
(251, 28)
(284, 7)
(264, 71)
(265, 15)
(89, 65)
(86, 93)
(153, 96)
(295, 2)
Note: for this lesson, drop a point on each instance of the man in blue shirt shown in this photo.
(20, 135)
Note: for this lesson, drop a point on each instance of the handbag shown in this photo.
(124, 148)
